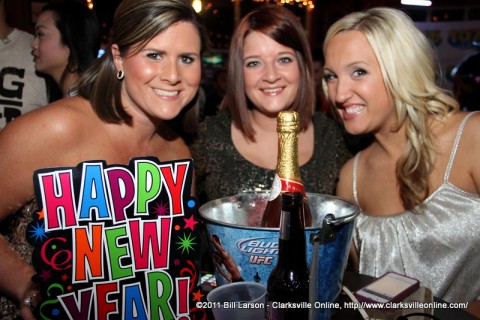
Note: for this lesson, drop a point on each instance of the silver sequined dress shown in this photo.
(440, 245)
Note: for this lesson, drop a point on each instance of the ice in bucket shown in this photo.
(239, 248)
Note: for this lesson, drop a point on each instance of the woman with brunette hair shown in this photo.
(269, 70)
(67, 40)
(125, 104)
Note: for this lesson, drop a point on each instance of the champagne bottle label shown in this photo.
(276, 188)
(284, 185)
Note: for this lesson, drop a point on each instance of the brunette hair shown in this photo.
(80, 31)
(135, 23)
(281, 25)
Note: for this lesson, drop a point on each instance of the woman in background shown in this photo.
(123, 110)
(67, 40)
(418, 183)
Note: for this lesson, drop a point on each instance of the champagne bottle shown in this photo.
(288, 282)
(287, 176)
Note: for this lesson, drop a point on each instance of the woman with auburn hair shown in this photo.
(269, 70)
(418, 182)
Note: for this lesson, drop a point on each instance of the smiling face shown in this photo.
(355, 84)
(164, 76)
(271, 73)
(50, 54)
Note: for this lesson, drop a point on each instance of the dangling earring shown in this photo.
(120, 74)
(71, 66)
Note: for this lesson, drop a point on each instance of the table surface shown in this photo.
(354, 281)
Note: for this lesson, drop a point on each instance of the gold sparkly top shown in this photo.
(13, 229)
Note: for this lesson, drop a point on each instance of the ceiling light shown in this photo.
(425, 3)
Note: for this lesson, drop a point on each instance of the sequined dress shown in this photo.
(13, 229)
(221, 171)
(440, 245)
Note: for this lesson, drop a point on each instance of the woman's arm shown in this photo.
(18, 148)
(474, 308)
(30, 142)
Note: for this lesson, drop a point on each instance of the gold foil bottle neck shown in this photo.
(287, 121)
(288, 127)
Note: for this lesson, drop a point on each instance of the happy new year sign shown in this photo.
(117, 242)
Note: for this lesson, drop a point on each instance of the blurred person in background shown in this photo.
(21, 88)
(215, 94)
(67, 41)
(322, 103)
(466, 82)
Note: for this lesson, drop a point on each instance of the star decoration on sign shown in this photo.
(41, 214)
(45, 275)
(186, 243)
(190, 223)
(37, 232)
(161, 209)
(197, 296)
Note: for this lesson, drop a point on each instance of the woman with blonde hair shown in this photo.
(418, 183)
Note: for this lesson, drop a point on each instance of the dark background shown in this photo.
(219, 14)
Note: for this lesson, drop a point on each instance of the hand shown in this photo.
(474, 308)
(31, 300)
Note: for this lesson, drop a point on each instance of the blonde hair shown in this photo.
(409, 69)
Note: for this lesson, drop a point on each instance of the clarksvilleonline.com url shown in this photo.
(406, 305)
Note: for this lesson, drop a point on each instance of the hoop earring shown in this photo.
(120, 74)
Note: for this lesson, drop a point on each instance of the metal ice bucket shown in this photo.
(233, 230)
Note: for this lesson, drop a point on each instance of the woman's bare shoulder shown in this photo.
(465, 172)
(473, 124)
(53, 116)
(50, 127)
(470, 133)
(469, 142)
(345, 182)
(39, 139)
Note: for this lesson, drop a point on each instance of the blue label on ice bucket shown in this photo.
(259, 250)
